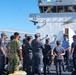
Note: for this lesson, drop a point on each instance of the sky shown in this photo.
(14, 14)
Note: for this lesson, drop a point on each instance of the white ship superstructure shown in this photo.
(55, 18)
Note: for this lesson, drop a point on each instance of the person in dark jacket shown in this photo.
(28, 55)
(23, 54)
(47, 56)
(38, 47)
(73, 54)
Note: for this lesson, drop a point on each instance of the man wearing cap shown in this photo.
(66, 46)
(2, 51)
(47, 52)
(2, 42)
(37, 46)
(23, 52)
(15, 50)
(73, 53)
(28, 55)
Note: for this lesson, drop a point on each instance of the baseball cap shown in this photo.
(3, 34)
(74, 36)
(37, 35)
(48, 39)
(65, 35)
(29, 37)
(25, 35)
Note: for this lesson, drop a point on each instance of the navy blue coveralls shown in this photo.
(74, 54)
(24, 56)
(2, 57)
(2, 62)
(37, 56)
(47, 58)
(28, 58)
(59, 60)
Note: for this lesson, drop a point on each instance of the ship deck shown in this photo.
(53, 71)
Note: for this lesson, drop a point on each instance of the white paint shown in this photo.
(48, 0)
(54, 24)
(71, 33)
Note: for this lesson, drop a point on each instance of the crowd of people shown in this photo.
(36, 55)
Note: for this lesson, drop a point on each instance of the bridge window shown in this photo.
(45, 8)
(65, 8)
(53, 9)
(48, 9)
(69, 8)
(75, 8)
(58, 9)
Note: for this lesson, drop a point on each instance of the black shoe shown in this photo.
(4, 72)
(49, 73)
(73, 73)
(64, 70)
(60, 74)
(67, 70)
(57, 73)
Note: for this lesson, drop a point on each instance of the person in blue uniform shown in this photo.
(29, 55)
(23, 52)
(47, 56)
(73, 54)
(59, 51)
(38, 47)
(66, 46)
(2, 52)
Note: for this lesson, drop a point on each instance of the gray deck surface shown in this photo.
(53, 71)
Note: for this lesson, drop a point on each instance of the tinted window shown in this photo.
(60, 9)
(75, 8)
(65, 8)
(71, 8)
(53, 9)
